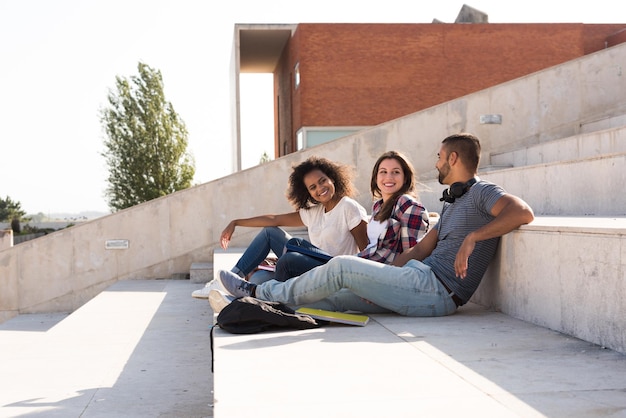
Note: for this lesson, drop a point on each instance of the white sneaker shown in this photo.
(204, 292)
(219, 300)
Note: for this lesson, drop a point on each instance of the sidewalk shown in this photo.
(139, 349)
(472, 364)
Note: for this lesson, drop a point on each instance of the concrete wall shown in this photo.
(61, 271)
(6, 238)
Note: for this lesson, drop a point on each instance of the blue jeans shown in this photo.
(352, 283)
(292, 264)
(271, 238)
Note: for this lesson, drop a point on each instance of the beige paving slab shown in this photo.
(139, 349)
(474, 363)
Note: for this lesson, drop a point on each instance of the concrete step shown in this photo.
(590, 186)
(590, 145)
(201, 272)
(587, 187)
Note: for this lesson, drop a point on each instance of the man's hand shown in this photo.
(462, 256)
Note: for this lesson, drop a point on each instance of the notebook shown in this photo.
(330, 316)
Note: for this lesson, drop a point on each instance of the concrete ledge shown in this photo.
(564, 273)
(579, 224)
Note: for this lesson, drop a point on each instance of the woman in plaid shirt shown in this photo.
(398, 220)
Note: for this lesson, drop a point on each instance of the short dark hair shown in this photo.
(467, 146)
(341, 176)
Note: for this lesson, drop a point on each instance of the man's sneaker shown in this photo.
(218, 300)
(204, 292)
(235, 285)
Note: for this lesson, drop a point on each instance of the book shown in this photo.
(266, 267)
(269, 264)
(330, 316)
(306, 248)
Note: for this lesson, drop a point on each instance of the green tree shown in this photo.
(146, 144)
(12, 212)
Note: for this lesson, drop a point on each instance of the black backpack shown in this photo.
(249, 315)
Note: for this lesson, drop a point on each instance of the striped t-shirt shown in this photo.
(467, 214)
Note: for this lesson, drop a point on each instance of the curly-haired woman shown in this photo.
(321, 192)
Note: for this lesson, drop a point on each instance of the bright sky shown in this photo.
(58, 60)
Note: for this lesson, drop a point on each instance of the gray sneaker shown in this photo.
(235, 285)
(219, 300)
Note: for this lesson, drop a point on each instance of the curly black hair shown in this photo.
(341, 176)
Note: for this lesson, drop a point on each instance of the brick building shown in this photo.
(333, 79)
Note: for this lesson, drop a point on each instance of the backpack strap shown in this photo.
(212, 355)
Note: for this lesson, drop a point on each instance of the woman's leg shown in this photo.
(293, 264)
(269, 239)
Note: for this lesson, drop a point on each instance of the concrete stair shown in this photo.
(581, 175)
(201, 272)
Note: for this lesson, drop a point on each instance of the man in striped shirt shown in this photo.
(433, 278)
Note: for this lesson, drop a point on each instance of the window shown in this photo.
(296, 75)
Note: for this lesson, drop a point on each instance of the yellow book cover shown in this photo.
(341, 317)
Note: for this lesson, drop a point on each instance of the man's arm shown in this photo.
(419, 251)
(510, 213)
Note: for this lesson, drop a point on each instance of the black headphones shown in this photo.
(457, 190)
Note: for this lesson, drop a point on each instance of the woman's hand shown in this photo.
(227, 233)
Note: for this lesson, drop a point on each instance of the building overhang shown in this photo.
(260, 46)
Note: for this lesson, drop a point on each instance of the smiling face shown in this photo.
(320, 187)
(389, 178)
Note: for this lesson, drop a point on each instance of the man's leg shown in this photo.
(412, 290)
(344, 300)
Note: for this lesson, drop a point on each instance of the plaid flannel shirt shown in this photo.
(407, 225)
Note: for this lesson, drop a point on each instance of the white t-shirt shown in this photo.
(374, 229)
(330, 231)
